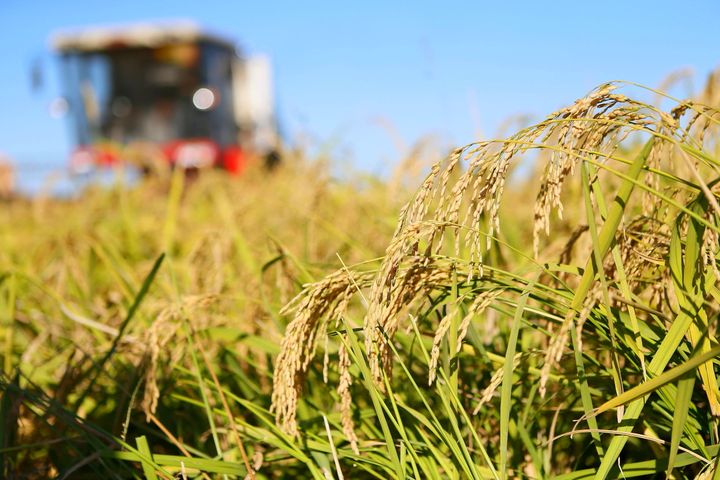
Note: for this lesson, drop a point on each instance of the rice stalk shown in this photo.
(606, 285)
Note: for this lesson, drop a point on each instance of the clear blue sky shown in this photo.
(444, 68)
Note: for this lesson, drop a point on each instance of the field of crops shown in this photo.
(488, 320)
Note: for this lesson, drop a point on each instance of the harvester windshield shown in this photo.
(157, 94)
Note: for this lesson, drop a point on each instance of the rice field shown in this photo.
(487, 320)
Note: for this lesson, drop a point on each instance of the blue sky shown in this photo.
(447, 69)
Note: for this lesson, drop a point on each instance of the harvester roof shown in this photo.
(142, 35)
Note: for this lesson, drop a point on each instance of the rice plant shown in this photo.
(555, 322)
(593, 359)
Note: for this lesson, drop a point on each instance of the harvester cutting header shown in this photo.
(164, 95)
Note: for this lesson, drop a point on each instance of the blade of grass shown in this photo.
(693, 298)
(507, 383)
(377, 400)
(338, 470)
(646, 468)
(608, 231)
(400, 425)
(657, 382)
(226, 406)
(98, 368)
(461, 410)
(206, 465)
(682, 405)
(203, 394)
(683, 271)
(144, 449)
(598, 257)
(9, 321)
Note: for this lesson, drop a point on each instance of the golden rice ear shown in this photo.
(314, 309)
(162, 334)
(457, 210)
(343, 389)
(711, 246)
(487, 394)
(589, 129)
(477, 308)
(440, 333)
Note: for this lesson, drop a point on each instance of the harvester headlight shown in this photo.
(203, 98)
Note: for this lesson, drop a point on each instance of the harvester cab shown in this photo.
(163, 96)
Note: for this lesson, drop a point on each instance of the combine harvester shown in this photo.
(161, 96)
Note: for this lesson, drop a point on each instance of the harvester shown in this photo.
(163, 96)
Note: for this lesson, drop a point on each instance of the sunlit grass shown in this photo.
(288, 325)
